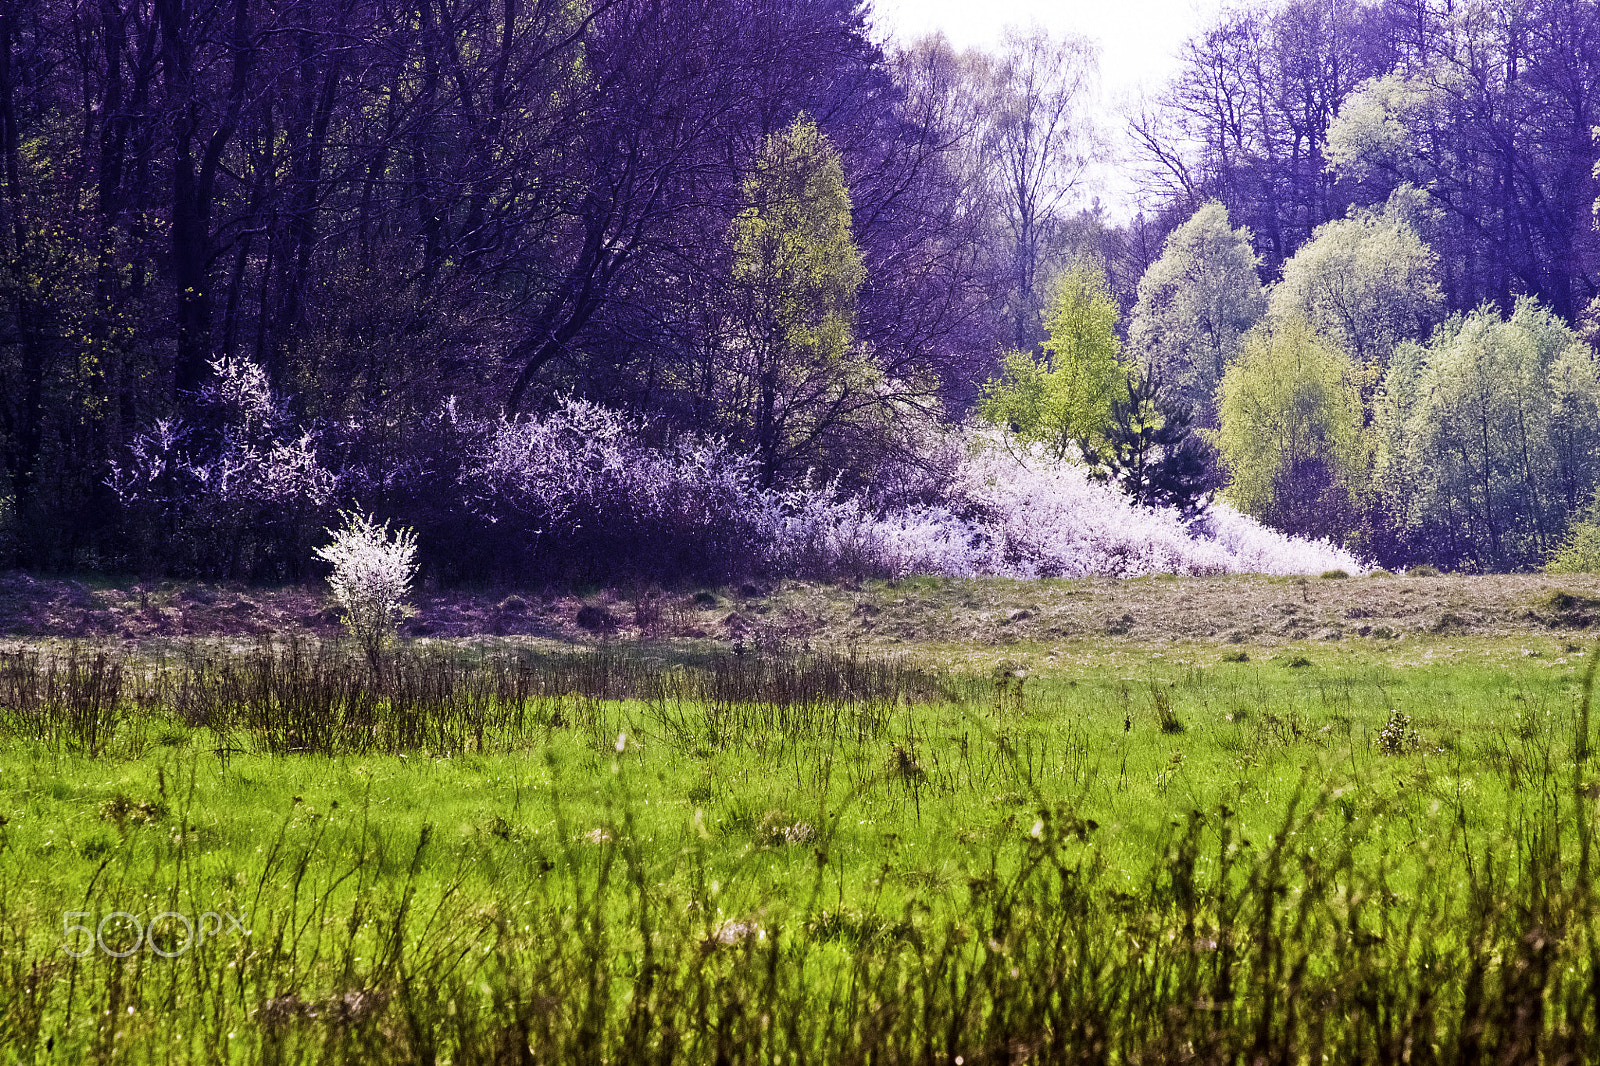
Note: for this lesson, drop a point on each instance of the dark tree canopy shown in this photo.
(388, 204)
(1152, 451)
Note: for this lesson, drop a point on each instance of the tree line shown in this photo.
(270, 253)
(384, 205)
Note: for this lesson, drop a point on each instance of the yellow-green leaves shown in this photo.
(1291, 431)
(1195, 305)
(792, 243)
(1364, 284)
(796, 374)
(1065, 396)
(1501, 439)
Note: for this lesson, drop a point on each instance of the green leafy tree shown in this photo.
(1291, 434)
(1395, 477)
(1575, 422)
(1365, 284)
(1579, 552)
(1066, 395)
(1377, 132)
(1195, 304)
(1501, 439)
(796, 373)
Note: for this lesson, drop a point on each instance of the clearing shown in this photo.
(1070, 821)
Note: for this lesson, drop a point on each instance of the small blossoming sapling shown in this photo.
(372, 573)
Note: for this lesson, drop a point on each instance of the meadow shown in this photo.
(1055, 848)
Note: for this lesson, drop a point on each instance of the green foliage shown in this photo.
(1195, 304)
(1364, 284)
(1068, 395)
(1291, 434)
(1375, 132)
(796, 371)
(1579, 553)
(1393, 407)
(1492, 435)
(792, 244)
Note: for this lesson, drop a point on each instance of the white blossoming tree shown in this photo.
(372, 574)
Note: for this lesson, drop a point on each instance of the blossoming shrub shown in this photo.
(1023, 517)
(1259, 549)
(371, 578)
(235, 490)
(582, 493)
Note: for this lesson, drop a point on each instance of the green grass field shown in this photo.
(1089, 850)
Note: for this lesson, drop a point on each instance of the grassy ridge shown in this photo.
(604, 857)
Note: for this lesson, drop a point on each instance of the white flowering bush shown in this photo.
(582, 486)
(239, 395)
(372, 574)
(1023, 516)
(236, 490)
(581, 490)
(586, 493)
(1258, 549)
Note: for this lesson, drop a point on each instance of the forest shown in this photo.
(706, 288)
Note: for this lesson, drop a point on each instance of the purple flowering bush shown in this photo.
(584, 493)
